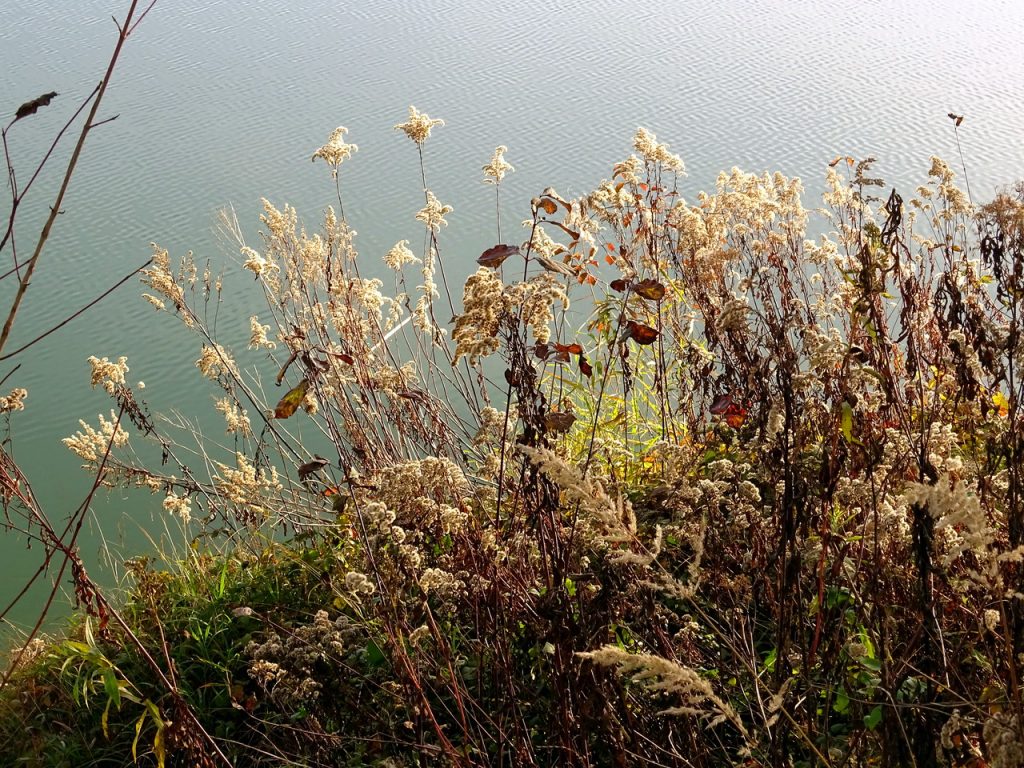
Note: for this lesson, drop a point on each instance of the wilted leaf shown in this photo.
(344, 357)
(585, 367)
(311, 467)
(554, 266)
(30, 107)
(284, 368)
(291, 401)
(619, 285)
(541, 350)
(494, 257)
(650, 289)
(572, 349)
(550, 193)
(546, 203)
(570, 232)
(556, 421)
(640, 333)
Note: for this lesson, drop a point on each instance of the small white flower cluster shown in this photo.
(418, 126)
(91, 444)
(399, 256)
(245, 486)
(433, 212)
(107, 373)
(13, 401)
(236, 418)
(646, 143)
(215, 362)
(258, 335)
(178, 505)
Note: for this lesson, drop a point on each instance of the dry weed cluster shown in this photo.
(677, 486)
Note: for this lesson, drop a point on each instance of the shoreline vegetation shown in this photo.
(676, 486)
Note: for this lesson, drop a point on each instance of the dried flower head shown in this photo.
(258, 335)
(399, 256)
(13, 401)
(495, 170)
(215, 361)
(646, 143)
(178, 505)
(476, 329)
(418, 126)
(335, 151)
(237, 419)
(107, 373)
(91, 444)
(433, 213)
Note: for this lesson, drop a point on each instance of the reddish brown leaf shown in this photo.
(585, 367)
(344, 357)
(729, 408)
(572, 349)
(549, 192)
(291, 401)
(735, 417)
(610, 259)
(619, 284)
(493, 257)
(650, 289)
(541, 350)
(640, 333)
(558, 422)
(570, 232)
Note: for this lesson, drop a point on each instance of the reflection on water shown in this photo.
(222, 104)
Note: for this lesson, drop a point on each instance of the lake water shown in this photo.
(223, 102)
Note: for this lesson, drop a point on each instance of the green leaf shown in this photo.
(374, 655)
(873, 718)
(112, 686)
(846, 422)
(842, 702)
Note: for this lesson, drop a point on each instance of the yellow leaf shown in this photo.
(291, 401)
(1001, 403)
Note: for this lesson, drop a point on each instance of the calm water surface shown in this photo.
(223, 102)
